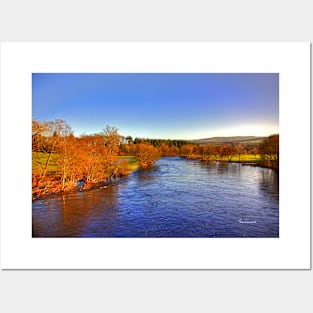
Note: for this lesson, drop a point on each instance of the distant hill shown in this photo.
(229, 140)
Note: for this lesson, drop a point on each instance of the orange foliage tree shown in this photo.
(145, 154)
(269, 150)
(89, 158)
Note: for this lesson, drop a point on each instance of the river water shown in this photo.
(175, 198)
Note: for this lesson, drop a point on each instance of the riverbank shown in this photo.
(175, 198)
(50, 183)
(245, 160)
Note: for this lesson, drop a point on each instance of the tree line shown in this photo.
(61, 159)
(266, 153)
(157, 142)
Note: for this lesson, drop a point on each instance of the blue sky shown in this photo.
(160, 105)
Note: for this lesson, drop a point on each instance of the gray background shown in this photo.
(156, 291)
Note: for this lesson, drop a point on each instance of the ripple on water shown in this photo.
(176, 198)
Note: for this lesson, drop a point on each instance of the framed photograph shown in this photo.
(155, 155)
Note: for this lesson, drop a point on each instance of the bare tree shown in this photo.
(111, 139)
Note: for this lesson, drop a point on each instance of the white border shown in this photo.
(20, 251)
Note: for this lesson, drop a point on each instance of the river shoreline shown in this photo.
(80, 186)
(258, 163)
(111, 181)
(175, 198)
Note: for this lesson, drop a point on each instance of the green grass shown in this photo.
(39, 160)
(132, 163)
(246, 158)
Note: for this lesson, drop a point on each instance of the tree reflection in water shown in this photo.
(78, 213)
(175, 198)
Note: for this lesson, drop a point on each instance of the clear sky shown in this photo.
(160, 105)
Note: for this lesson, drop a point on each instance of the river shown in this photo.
(175, 198)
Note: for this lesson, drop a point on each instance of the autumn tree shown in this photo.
(92, 158)
(187, 150)
(206, 152)
(55, 135)
(38, 140)
(211, 151)
(68, 159)
(219, 152)
(145, 154)
(60, 159)
(269, 150)
(239, 149)
(45, 138)
(164, 149)
(173, 150)
(38, 146)
(125, 149)
(229, 152)
(111, 139)
(254, 150)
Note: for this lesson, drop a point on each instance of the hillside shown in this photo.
(228, 140)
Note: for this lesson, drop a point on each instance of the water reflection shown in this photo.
(175, 198)
(75, 214)
(267, 180)
(146, 173)
(269, 183)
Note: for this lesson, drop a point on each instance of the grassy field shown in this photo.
(246, 158)
(39, 160)
(132, 163)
